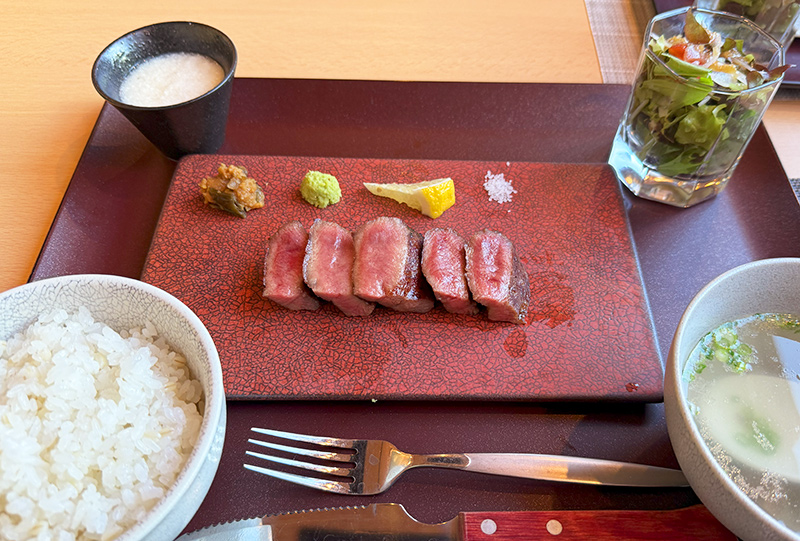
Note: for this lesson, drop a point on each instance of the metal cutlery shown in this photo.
(391, 522)
(366, 467)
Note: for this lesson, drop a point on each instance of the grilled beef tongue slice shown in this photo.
(328, 267)
(283, 269)
(496, 276)
(444, 267)
(387, 266)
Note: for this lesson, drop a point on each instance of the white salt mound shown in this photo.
(95, 426)
(170, 78)
(498, 188)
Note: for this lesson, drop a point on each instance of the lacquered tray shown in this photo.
(588, 335)
(109, 212)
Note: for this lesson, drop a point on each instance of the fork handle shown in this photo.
(558, 468)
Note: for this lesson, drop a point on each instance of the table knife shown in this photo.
(391, 522)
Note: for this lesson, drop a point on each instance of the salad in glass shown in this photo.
(696, 102)
(777, 17)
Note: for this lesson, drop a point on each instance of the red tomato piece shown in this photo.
(696, 54)
(678, 50)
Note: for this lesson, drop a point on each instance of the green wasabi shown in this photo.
(320, 189)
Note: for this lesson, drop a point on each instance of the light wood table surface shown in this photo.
(48, 105)
(782, 121)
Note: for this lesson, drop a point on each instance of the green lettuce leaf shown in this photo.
(685, 69)
(680, 94)
(701, 126)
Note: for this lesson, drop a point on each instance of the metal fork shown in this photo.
(369, 467)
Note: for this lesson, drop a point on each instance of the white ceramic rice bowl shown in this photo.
(124, 303)
(770, 285)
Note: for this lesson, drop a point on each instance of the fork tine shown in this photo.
(324, 455)
(320, 484)
(330, 470)
(318, 440)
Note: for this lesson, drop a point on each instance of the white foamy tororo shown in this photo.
(169, 79)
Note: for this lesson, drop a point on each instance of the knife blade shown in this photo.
(391, 522)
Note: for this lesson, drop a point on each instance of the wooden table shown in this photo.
(48, 104)
(574, 123)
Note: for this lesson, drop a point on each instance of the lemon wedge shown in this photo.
(431, 197)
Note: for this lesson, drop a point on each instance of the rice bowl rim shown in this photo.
(214, 401)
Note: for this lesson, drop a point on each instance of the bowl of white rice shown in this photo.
(112, 410)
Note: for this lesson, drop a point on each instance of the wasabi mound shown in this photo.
(320, 189)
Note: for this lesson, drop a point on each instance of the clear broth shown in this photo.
(748, 409)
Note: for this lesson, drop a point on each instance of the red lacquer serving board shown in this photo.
(589, 333)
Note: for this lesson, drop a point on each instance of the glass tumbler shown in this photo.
(777, 17)
(682, 135)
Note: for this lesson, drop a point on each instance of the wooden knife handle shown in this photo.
(694, 523)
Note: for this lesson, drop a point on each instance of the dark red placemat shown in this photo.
(588, 335)
(110, 209)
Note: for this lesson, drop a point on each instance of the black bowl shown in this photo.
(196, 126)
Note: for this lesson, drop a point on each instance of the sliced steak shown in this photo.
(283, 269)
(444, 267)
(328, 267)
(387, 266)
(496, 276)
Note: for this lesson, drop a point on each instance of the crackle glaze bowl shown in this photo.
(124, 303)
(765, 286)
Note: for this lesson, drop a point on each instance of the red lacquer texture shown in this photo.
(588, 335)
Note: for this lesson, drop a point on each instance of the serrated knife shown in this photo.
(391, 522)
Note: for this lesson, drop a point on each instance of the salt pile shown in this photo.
(498, 188)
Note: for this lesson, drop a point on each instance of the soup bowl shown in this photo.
(765, 286)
